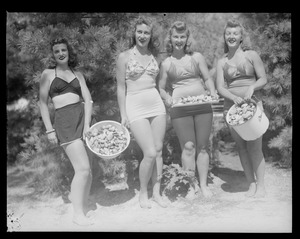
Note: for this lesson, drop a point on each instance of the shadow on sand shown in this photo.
(105, 197)
(234, 181)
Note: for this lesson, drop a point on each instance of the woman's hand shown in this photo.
(52, 137)
(238, 100)
(125, 122)
(86, 130)
(249, 92)
(169, 100)
(214, 94)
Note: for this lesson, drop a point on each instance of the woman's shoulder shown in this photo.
(221, 61)
(126, 53)
(47, 73)
(197, 56)
(124, 56)
(166, 62)
(251, 53)
(78, 73)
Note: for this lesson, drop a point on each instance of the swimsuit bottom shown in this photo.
(144, 104)
(190, 110)
(69, 122)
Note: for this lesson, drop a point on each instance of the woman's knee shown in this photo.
(150, 153)
(242, 149)
(203, 149)
(84, 171)
(159, 148)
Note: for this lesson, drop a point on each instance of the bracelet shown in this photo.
(50, 131)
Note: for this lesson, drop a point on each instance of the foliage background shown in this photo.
(98, 39)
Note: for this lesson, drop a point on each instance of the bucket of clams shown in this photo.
(108, 139)
(248, 119)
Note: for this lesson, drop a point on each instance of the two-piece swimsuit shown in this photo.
(142, 97)
(186, 81)
(69, 119)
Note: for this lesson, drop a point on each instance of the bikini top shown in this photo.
(183, 74)
(139, 77)
(59, 86)
(242, 74)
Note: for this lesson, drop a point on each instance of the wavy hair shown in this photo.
(73, 59)
(154, 42)
(179, 26)
(245, 42)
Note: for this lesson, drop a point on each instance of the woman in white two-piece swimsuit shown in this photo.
(141, 106)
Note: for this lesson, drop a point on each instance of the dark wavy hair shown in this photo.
(245, 42)
(154, 42)
(179, 26)
(73, 59)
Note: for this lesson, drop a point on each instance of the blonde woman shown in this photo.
(141, 107)
(188, 74)
(240, 75)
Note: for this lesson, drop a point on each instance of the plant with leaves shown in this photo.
(271, 37)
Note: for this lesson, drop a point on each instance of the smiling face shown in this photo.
(233, 36)
(61, 53)
(142, 35)
(178, 39)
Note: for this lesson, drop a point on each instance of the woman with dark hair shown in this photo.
(141, 106)
(66, 88)
(240, 75)
(188, 75)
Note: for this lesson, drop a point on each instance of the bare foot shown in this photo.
(82, 221)
(251, 191)
(206, 192)
(160, 201)
(144, 202)
(87, 210)
(70, 197)
(90, 213)
(260, 192)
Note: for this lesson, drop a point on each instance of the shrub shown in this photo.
(283, 142)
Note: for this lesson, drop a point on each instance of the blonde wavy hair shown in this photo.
(154, 42)
(245, 42)
(179, 26)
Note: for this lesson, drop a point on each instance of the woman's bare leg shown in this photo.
(245, 162)
(185, 131)
(158, 125)
(258, 164)
(203, 125)
(80, 185)
(142, 132)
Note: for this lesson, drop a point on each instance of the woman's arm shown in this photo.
(43, 104)
(88, 103)
(121, 87)
(205, 74)
(260, 73)
(163, 77)
(221, 83)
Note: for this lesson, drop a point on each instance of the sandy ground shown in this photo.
(119, 211)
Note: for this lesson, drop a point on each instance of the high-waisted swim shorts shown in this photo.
(69, 122)
(190, 110)
(144, 104)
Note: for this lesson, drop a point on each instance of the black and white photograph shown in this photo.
(169, 122)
